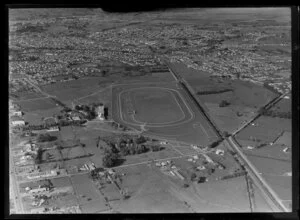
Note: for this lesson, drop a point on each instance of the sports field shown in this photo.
(160, 109)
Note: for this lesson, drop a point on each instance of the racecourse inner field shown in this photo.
(162, 110)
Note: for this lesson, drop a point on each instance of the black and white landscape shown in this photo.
(175, 111)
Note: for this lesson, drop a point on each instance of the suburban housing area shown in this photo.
(175, 111)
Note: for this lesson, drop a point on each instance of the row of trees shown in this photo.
(61, 123)
(274, 114)
(213, 91)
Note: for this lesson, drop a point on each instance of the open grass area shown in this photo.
(149, 192)
(193, 129)
(73, 152)
(61, 182)
(35, 117)
(152, 191)
(243, 93)
(165, 153)
(66, 91)
(85, 190)
(260, 204)
(66, 133)
(102, 96)
(227, 119)
(274, 172)
(266, 129)
(25, 96)
(39, 104)
(153, 105)
(284, 105)
(94, 207)
(285, 139)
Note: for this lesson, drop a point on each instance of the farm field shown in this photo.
(73, 152)
(243, 93)
(35, 116)
(165, 153)
(26, 95)
(186, 150)
(149, 192)
(260, 204)
(85, 190)
(285, 139)
(226, 117)
(66, 133)
(67, 91)
(266, 129)
(245, 98)
(284, 105)
(274, 172)
(94, 207)
(152, 191)
(39, 104)
(61, 182)
(270, 151)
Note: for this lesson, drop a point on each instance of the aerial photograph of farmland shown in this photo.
(181, 110)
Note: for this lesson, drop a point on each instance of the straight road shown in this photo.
(268, 192)
(13, 184)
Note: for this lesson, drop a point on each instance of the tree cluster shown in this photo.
(215, 144)
(129, 145)
(224, 103)
(38, 156)
(90, 110)
(110, 158)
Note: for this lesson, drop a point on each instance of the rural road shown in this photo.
(37, 88)
(257, 178)
(269, 193)
(267, 106)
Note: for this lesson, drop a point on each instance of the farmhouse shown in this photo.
(17, 113)
(42, 174)
(38, 190)
(54, 128)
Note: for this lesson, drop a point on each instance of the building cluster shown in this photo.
(168, 168)
(49, 58)
(15, 116)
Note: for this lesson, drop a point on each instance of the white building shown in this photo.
(100, 112)
(18, 123)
